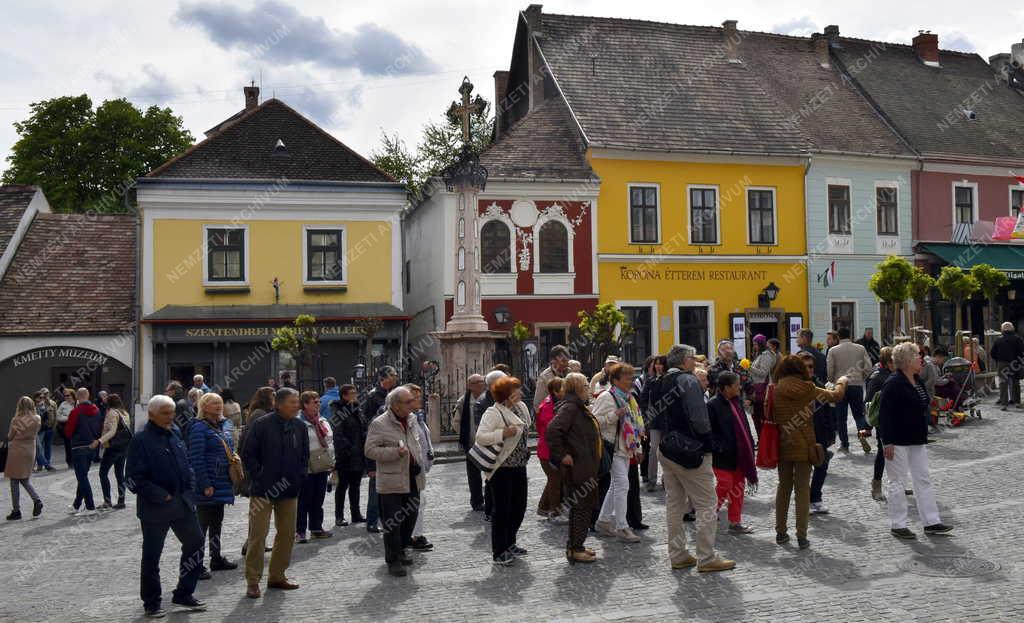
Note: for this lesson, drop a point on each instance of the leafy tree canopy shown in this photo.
(87, 159)
(921, 283)
(956, 285)
(990, 281)
(891, 281)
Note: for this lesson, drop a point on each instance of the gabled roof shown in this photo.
(71, 274)
(247, 149)
(820, 101)
(925, 103)
(14, 200)
(544, 145)
(663, 87)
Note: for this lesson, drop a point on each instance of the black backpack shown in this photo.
(122, 437)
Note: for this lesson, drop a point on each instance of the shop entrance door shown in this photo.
(183, 373)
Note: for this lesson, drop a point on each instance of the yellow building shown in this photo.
(268, 218)
(688, 247)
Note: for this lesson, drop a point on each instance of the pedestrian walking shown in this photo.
(732, 449)
(622, 427)
(558, 367)
(465, 419)
(764, 362)
(261, 403)
(1008, 353)
(871, 345)
(63, 412)
(160, 477)
(84, 427)
(232, 411)
(482, 405)
(321, 463)
(275, 453)
(574, 441)
(331, 394)
(850, 360)
(349, 460)
(46, 409)
(903, 419)
(387, 377)
(116, 437)
(506, 423)
(211, 449)
(21, 453)
(651, 407)
(393, 443)
(599, 382)
(425, 458)
(796, 396)
(872, 392)
(550, 505)
(686, 420)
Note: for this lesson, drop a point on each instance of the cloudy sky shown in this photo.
(359, 68)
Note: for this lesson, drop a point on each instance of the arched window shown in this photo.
(554, 248)
(495, 248)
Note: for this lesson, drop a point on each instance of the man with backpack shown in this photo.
(685, 458)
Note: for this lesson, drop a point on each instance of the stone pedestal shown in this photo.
(467, 352)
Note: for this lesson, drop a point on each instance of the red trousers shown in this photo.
(731, 484)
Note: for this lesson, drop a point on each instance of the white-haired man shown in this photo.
(198, 382)
(158, 473)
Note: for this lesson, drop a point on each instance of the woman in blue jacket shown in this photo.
(209, 442)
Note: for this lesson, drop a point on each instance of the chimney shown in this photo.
(532, 15)
(926, 46)
(732, 41)
(252, 96)
(500, 88)
(820, 43)
(831, 34)
(1000, 64)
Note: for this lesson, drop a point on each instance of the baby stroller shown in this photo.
(954, 392)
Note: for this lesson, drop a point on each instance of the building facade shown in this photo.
(268, 218)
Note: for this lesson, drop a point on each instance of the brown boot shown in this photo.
(252, 590)
(283, 584)
(876, 491)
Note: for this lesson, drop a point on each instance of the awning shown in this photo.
(184, 314)
(1008, 258)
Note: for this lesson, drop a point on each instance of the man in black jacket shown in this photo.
(465, 418)
(349, 460)
(276, 456)
(805, 340)
(374, 404)
(1008, 353)
(158, 473)
(870, 344)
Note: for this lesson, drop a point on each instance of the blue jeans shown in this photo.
(854, 401)
(372, 504)
(311, 503)
(188, 532)
(82, 460)
(44, 447)
(818, 478)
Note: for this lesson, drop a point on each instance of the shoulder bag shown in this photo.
(486, 457)
(320, 458)
(682, 448)
(121, 438)
(235, 470)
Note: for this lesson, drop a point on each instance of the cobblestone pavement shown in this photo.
(60, 568)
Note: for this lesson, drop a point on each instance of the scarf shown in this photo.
(320, 427)
(744, 451)
(632, 423)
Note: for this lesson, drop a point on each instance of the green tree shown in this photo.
(395, 158)
(921, 284)
(956, 286)
(87, 159)
(369, 328)
(890, 283)
(299, 340)
(604, 331)
(990, 282)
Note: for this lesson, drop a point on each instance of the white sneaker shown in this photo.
(626, 535)
(72, 510)
(605, 527)
(819, 508)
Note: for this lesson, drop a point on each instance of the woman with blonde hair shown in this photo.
(21, 454)
(210, 446)
(575, 445)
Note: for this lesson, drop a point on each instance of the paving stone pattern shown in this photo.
(61, 568)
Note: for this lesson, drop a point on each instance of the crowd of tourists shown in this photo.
(700, 428)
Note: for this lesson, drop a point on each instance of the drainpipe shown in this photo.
(136, 305)
(807, 250)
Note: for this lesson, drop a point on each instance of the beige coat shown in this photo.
(492, 427)
(21, 452)
(382, 443)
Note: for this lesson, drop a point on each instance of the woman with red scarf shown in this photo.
(321, 462)
(732, 448)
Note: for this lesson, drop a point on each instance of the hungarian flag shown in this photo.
(827, 277)
(1019, 178)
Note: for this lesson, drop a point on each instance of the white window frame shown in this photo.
(655, 322)
(513, 260)
(629, 210)
(206, 255)
(718, 214)
(541, 221)
(975, 198)
(775, 215)
(1013, 187)
(343, 254)
(856, 314)
(712, 336)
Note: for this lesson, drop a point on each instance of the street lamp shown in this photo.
(360, 370)
(502, 315)
(766, 296)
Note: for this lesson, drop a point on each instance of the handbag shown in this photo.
(682, 448)
(608, 447)
(235, 470)
(485, 458)
(768, 439)
(121, 438)
(320, 460)
(816, 454)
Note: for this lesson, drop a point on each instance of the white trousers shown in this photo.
(912, 459)
(417, 530)
(614, 507)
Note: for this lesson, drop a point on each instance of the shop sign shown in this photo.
(667, 273)
(59, 353)
(1014, 274)
(258, 332)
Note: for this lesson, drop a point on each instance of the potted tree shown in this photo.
(603, 330)
(299, 340)
(890, 283)
(956, 286)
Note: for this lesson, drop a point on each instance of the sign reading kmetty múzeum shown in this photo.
(683, 274)
(58, 353)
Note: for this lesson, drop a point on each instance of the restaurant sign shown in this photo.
(664, 273)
